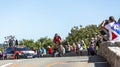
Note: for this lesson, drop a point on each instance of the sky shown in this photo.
(32, 19)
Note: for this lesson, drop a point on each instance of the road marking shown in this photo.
(5, 65)
(55, 63)
(49, 65)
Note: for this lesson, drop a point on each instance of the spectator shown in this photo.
(92, 41)
(67, 47)
(38, 52)
(112, 27)
(71, 48)
(84, 45)
(104, 32)
(4, 55)
(62, 50)
(74, 47)
(78, 45)
(92, 49)
(99, 40)
(43, 51)
(50, 51)
(79, 48)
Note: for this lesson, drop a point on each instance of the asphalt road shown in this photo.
(77, 61)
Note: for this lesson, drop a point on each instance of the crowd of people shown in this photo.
(77, 48)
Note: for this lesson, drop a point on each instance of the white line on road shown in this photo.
(5, 65)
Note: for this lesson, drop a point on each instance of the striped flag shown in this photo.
(115, 32)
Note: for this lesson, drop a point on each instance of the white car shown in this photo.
(26, 53)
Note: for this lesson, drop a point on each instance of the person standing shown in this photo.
(114, 30)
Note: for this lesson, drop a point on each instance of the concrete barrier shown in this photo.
(111, 52)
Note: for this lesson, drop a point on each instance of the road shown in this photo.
(77, 61)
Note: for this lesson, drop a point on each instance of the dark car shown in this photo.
(11, 53)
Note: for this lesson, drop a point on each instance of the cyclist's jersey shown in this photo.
(57, 40)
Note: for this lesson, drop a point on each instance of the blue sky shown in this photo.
(32, 19)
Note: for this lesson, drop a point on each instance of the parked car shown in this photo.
(26, 52)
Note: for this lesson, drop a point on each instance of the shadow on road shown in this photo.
(98, 61)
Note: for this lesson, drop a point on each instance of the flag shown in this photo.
(115, 32)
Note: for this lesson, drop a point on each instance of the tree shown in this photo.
(44, 42)
(28, 43)
(82, 33)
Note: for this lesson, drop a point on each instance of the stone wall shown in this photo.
(111, 52)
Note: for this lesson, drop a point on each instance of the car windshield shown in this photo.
(10, 49)
(22, 49)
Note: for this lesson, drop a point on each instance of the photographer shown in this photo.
(104, 32)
